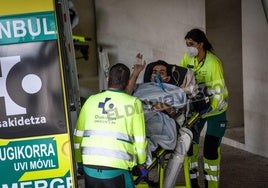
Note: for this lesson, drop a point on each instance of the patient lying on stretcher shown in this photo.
(164, 95)
(162, 72)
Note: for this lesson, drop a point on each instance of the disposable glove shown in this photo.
(202, 112)
(80, 169)
(143, 171)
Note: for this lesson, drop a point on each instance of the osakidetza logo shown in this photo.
(30, 84)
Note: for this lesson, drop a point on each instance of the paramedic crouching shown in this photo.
(109, 140)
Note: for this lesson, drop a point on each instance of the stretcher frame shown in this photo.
(159, 162)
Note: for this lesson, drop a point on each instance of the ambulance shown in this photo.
(39, 94)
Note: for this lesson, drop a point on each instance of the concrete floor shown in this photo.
(235, 134)
(239, 169)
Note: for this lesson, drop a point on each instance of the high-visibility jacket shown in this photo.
(110, 131)
(209, 71)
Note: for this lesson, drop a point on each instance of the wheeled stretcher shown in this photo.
(169, 140)
(167, 164)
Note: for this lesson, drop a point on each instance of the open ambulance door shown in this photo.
(39, 94)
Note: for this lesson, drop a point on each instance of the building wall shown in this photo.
(155, 28)
(255, 71)
(225, 33)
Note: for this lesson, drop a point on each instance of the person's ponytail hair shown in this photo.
(199, 36)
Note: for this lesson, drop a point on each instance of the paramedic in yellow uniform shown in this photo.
(110, 134)
(207, 69)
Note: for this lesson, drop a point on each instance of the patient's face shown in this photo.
(162, 71)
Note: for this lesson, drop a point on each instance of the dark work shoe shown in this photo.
(194, 183)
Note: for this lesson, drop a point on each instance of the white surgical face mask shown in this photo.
(192, 51)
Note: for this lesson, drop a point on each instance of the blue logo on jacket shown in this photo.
(104, 106)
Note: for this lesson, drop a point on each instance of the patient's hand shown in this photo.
(162, 107)
(137, 68)
(139, 65)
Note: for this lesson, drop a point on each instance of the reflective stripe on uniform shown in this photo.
(211, 167)
(76, 146)
(107, 153)
(193, 165)
(115, 135)
(139, 138)
(141, 151)
(211, 178)
(78, 133)
(194, 176)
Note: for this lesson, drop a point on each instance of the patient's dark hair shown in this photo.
(118, 76)
(199, 36)
(177, 73)
(149, 69)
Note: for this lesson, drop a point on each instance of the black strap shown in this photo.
(177, 74)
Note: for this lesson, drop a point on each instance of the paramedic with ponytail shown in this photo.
(110, 135)
(207, 69)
